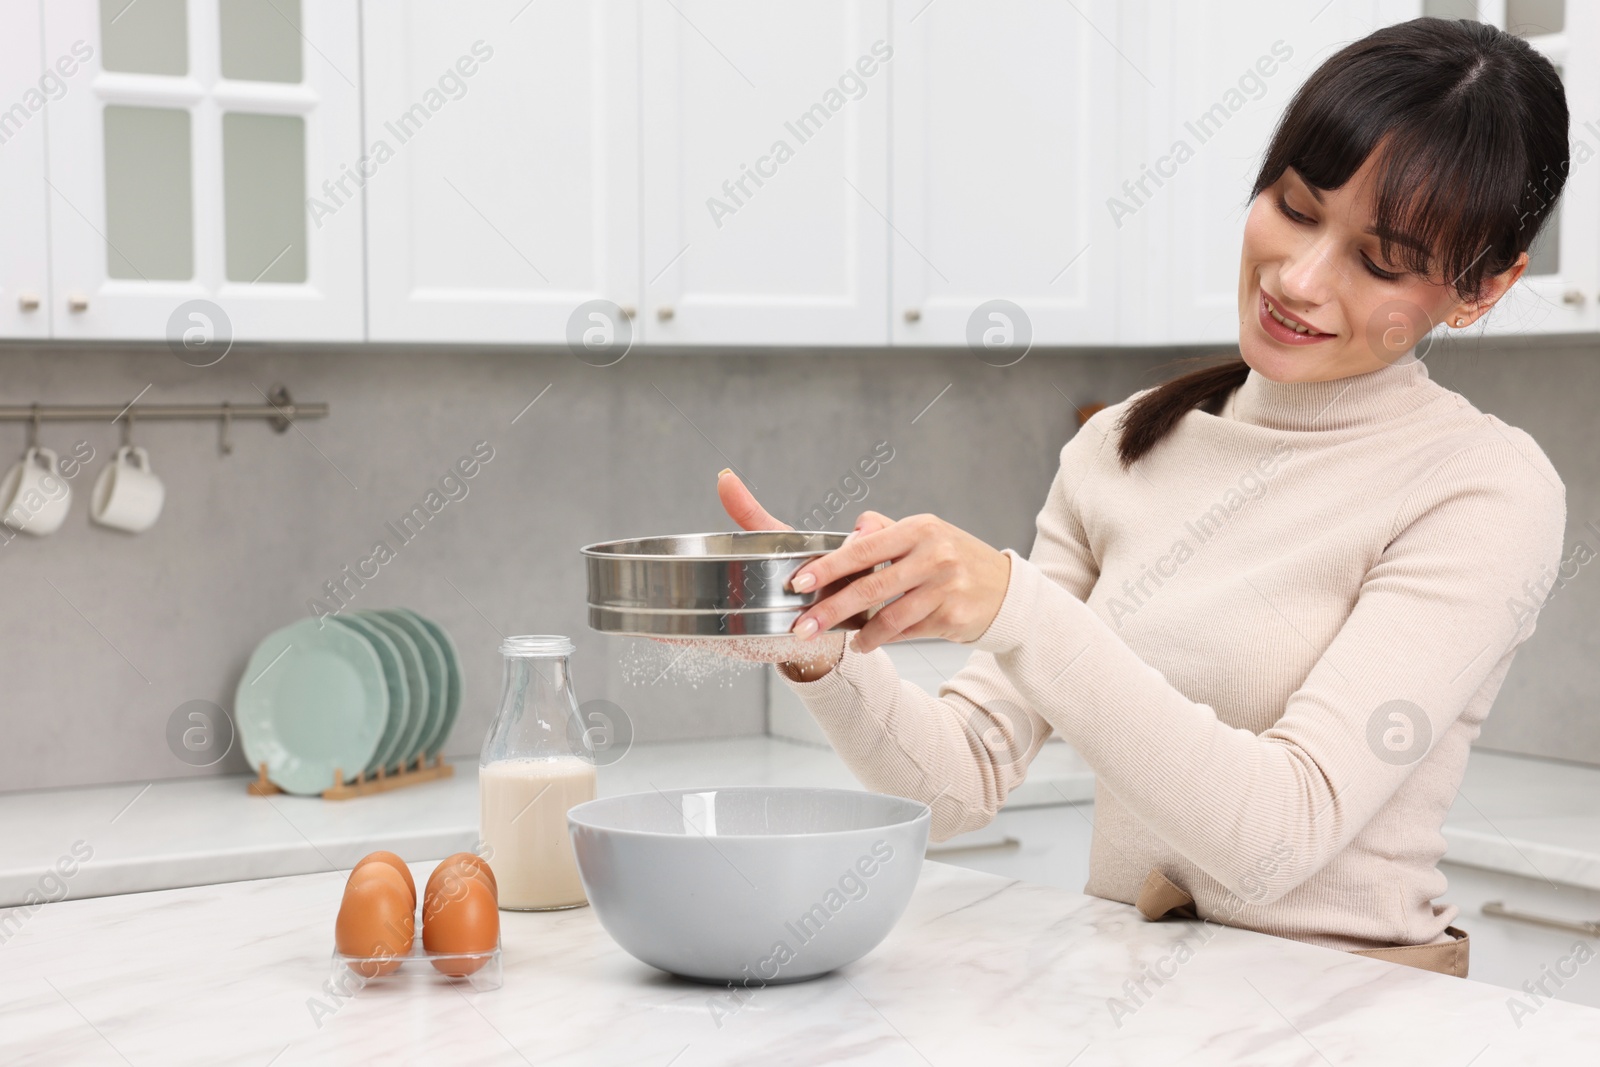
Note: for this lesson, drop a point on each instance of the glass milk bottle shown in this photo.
(529, 773)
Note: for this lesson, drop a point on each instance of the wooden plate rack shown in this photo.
(364, 786)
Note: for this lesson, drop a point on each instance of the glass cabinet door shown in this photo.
(181, 162)
(1560, 291)
(26, 91)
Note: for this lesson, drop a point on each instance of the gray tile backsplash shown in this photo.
(106, 634)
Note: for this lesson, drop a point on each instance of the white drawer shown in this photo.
(1047, 846)
(1508, 952)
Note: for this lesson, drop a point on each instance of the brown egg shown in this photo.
(376, 918)
(394, 861)
(468, 922)
(449, 883)
(462, 859)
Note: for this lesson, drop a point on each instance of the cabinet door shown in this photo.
(204, 153)
(1560, 291)
(518, 200)
(1227, 72)
(1043, 846)
(766, 197)
(1509, 951)
(26, 92)
(1004, 154)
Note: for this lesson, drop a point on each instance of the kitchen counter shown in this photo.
(1515, 814)
(197, 831)
(1533, 817)
(979, 970)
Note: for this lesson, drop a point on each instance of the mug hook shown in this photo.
(33, 428)
(226, 443)
(127, 428)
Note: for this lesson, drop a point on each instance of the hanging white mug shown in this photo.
(127, 494)
(34, 498)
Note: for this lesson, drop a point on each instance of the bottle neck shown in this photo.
(538, 674)
(537, 711)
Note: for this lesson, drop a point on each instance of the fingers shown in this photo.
(872, 522)
(742, 506)
(862, 551)
(861, 594)
(898, 621)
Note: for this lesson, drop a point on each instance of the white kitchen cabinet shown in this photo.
(26, 92)
(1560, 292)
(765, 161)
(1199, 142)
(1509, 952)
(1226, 73)
(199, 154)
(1045, 846)
(503, 145)
(856, 172)
(1003, 148)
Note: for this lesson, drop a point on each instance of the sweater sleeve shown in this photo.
(962, 752)
(1436, 614)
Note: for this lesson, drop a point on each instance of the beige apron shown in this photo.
(1160, 897)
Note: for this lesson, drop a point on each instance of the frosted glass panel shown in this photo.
(1545, 255)
(264, 194)
(1452, 9)
(1530, 18)
(260, 40)
(144, 36)
(149, 201)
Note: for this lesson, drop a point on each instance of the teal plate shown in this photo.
(452, 665)
(432, 657)
(416, 683)
(312, 703)
(394, 676)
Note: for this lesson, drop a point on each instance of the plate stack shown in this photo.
(348, 696)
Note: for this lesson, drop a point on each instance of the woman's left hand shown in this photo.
(950, 584)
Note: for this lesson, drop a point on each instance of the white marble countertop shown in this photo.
(1534, 817)
(980, 970)
(197, 831)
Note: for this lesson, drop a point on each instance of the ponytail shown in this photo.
(1148, 419)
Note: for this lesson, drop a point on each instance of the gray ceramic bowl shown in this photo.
(754, 885)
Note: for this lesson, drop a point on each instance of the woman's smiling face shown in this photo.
(1311, 262)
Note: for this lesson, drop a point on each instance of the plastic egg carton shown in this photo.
(350, 974)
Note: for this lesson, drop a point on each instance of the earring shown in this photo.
(1458, 320)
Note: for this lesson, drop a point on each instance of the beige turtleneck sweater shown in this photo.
(1274, 639)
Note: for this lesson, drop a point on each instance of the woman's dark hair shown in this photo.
(1470, 126)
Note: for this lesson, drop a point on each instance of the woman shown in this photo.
(1270, 602)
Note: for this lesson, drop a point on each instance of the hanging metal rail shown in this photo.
(280, 412)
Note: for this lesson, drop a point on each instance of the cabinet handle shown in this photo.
(913, 315)
(1573, 297)
(629, 311)
(77, 303)
(1004, 844)
(28, 300)
(665, 313)
(1500, 911)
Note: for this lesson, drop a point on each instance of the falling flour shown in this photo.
(697, 661)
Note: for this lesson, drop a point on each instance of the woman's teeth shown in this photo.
(1295, 326)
